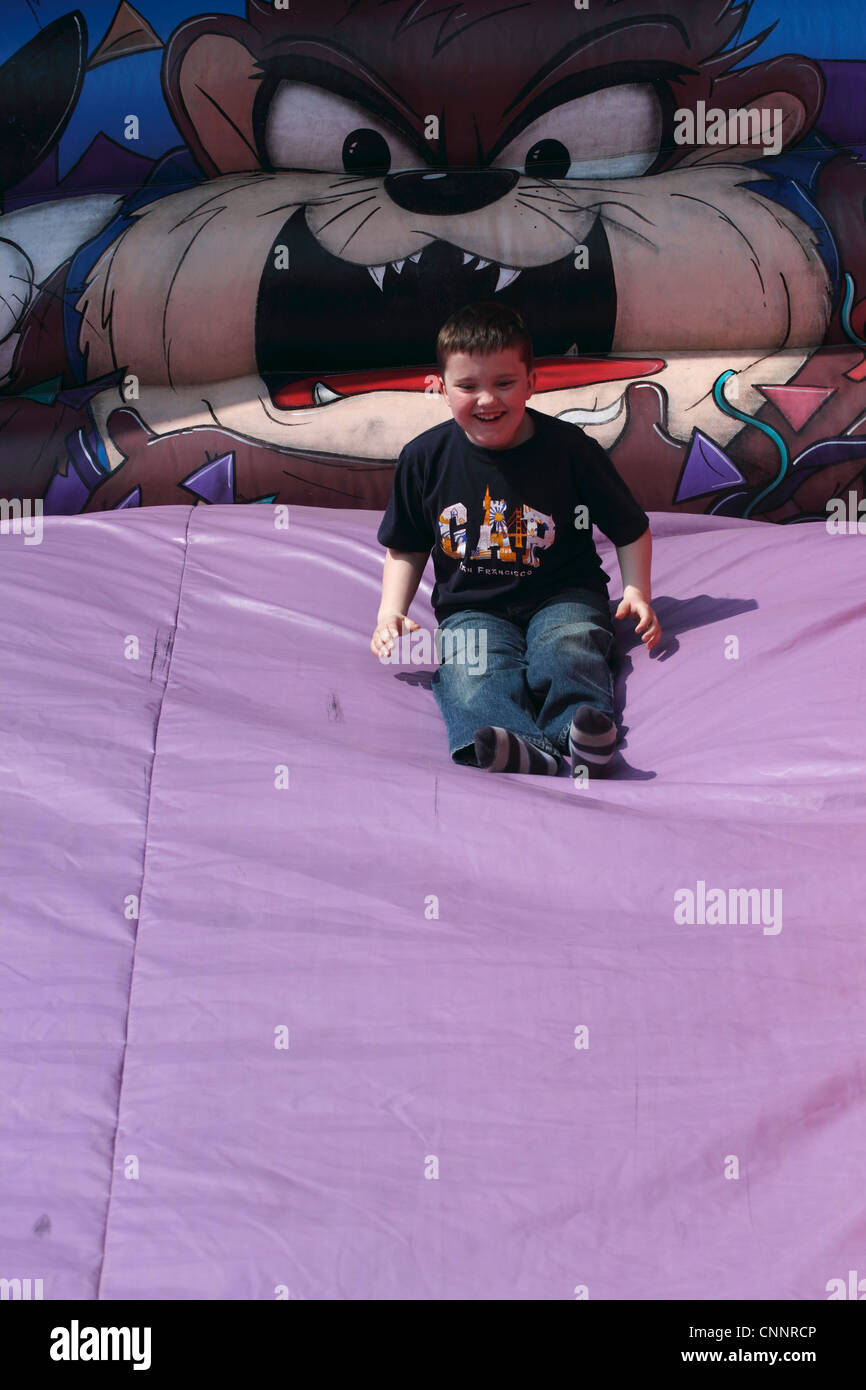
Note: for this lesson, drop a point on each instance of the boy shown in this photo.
(506, 496)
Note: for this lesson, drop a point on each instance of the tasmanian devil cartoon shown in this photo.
(257, 321)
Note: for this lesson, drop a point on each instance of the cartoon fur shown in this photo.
(265, 332)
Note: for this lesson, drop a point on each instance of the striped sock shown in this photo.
(591, 740)
(499, 750)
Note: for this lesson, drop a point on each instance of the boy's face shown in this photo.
(496, 385)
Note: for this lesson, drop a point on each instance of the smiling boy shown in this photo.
(506, 497)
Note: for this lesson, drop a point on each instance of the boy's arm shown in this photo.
(635, 564)
(401, 576)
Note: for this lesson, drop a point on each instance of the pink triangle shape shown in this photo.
(797, 403)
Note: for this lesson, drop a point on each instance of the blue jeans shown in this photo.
(541, 663)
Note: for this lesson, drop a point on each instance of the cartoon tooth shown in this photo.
(507, 276)
(378, 273)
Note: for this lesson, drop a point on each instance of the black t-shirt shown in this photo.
(501, 522)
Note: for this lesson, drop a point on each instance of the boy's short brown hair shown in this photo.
(483, 327)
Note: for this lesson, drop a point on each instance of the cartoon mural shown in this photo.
(252, 315)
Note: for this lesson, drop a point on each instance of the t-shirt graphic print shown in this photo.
(503, 537)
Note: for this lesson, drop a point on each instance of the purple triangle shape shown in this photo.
(132, 499)
(707, 469)
(77, 396)
(215, 481)
(66, 494)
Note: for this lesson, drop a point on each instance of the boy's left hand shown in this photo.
(633, 603)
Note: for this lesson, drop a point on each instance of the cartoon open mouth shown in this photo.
(390, 315)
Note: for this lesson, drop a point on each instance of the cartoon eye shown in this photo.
(309, 127)
(614, 133)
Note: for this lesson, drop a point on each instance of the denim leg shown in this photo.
(569, 643)
(482, 680)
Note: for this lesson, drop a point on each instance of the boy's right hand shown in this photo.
(388, 629)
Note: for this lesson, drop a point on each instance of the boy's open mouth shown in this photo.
(326, 329)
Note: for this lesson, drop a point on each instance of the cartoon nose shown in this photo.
(450, 191)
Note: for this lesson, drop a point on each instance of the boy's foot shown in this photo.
(499, 750)
(591, 741)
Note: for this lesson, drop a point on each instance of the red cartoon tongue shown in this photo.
(552, 374)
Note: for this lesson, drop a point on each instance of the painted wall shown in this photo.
(228, 240)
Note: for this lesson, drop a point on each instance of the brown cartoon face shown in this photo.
(363, 185)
